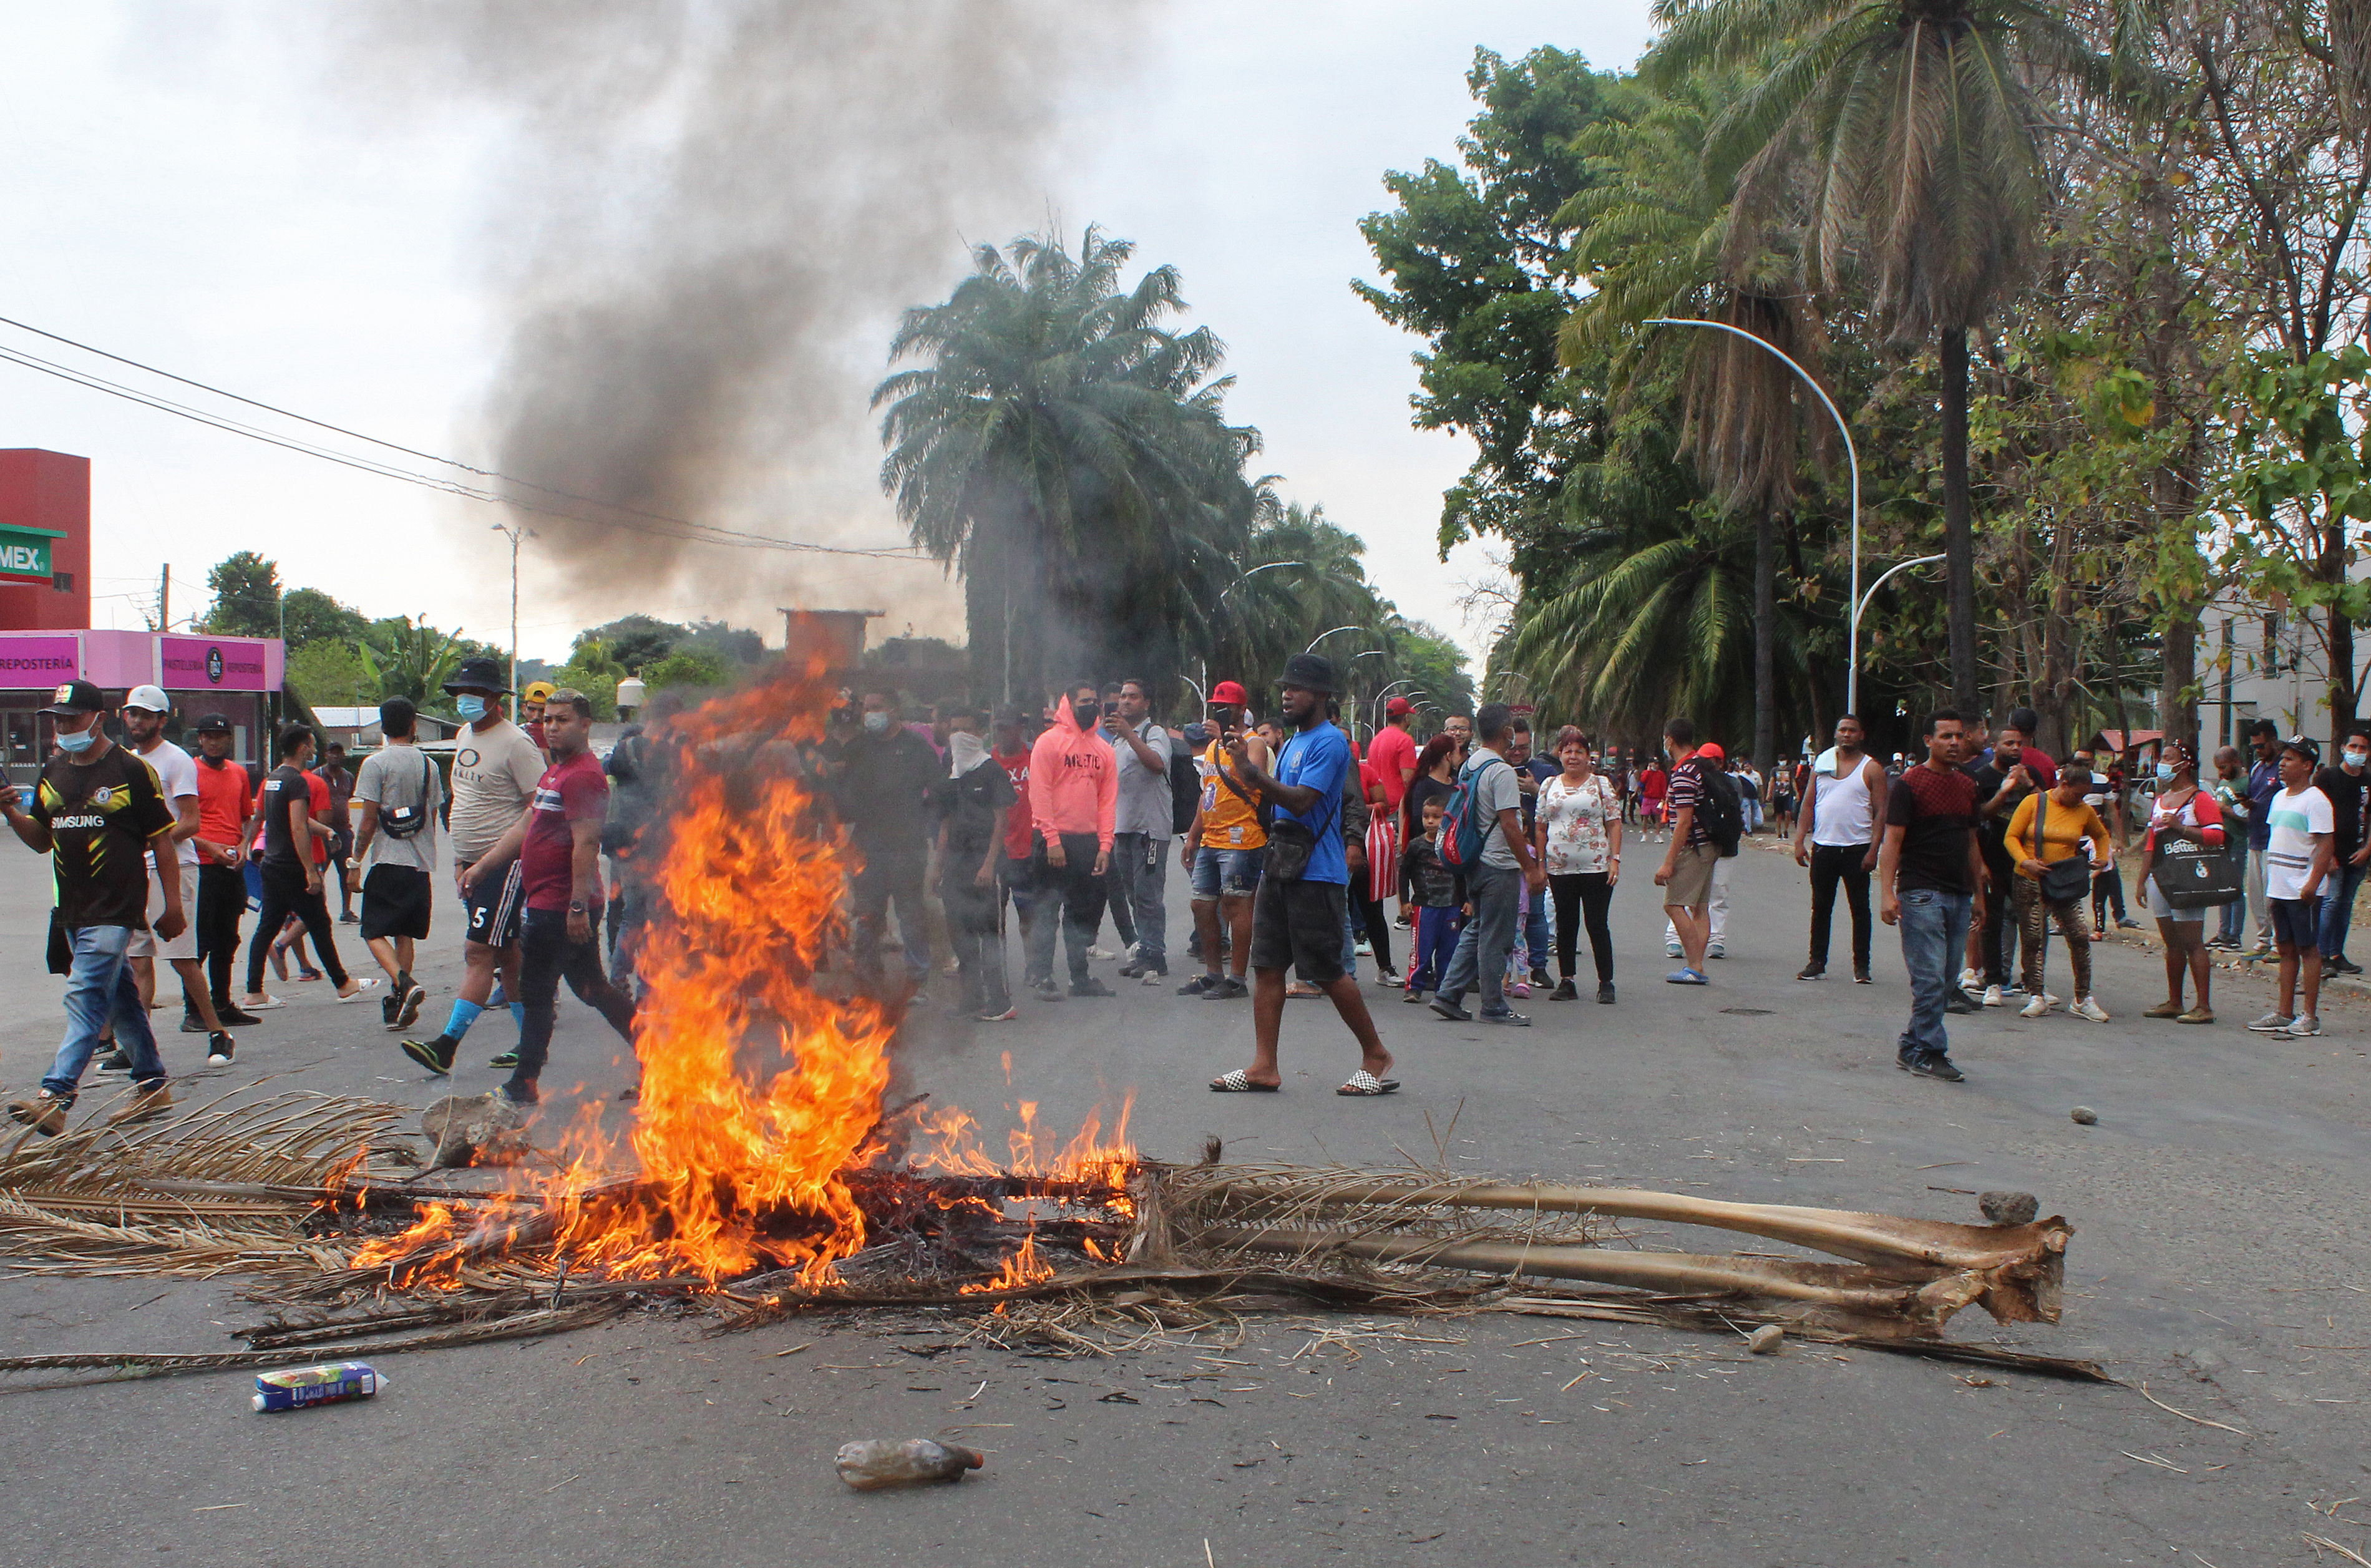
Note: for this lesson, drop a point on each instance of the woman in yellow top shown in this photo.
(2065, 828)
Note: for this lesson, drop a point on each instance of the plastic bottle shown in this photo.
(878, 1462)
(333, 1382)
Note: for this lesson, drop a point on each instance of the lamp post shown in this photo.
(1852, 457)
(1853, 645)
(1254, 571)
(1323, 636)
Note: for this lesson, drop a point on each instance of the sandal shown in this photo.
(1239, 1082)
(1366, 1084)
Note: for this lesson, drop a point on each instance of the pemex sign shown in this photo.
(25, 555)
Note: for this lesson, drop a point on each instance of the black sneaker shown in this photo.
(1860, 978)
(413, 1001)
(1933, 1065)
(193, 1024)
(116, 1061)
(233, 1017)
(1446, 1006)
(1506, 1016)
(220, 1049)
(348, 918)
(1198, 984)
(1957, 1002)
(388, 1007)
(1813, 972)
(1229, 989)
(1605, 992)
(2126, 923)
(1090, 986)
(2341, 964)
(435, 1054)
(504, 1063)
(1539, 978)
(1131, 969)
(1564, 992)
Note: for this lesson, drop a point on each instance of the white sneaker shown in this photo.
(2034, 1007)
(2090, 1011)
(1098, 952)
(1671, 950)
(1994, 998)
(1715, 950)
(2305, 1026)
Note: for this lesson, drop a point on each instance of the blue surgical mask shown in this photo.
(79, 740)
(470, 705)
(2165, 773)
(876, 723)
(2356, 759)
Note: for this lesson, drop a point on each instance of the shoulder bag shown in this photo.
(2062, 881)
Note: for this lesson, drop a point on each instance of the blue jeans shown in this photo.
(99, 987)
(2338, 908)
(1934, 935)
(1435, 943)
(1488, 938)
(1534, 921)
(2234, 915)
(1037, 924)
(1141, 865)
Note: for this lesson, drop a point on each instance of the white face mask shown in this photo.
(965, 750)
(2356, 759)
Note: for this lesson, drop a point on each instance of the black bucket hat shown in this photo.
(477, 675)
(1309, 672)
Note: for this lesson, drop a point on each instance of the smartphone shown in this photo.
(1111, 709)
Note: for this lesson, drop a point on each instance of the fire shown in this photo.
(1024, 1267)
(746, 1164)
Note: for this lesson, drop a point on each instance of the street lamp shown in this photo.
(1852, 646)
(1323, 636)
(1852, 456)
(1254, 571)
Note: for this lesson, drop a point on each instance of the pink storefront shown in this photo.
(236, 676)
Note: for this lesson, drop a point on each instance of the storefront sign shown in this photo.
(30, 661)
(212, 663)
(25, 555)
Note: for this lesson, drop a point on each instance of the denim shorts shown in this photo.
(2296, 922)
(1232, 873)
(2159, 909)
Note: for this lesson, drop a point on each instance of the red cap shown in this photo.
(1398, 706)
(1231, 692)
(1712, 749)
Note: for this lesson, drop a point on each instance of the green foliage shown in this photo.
(632, 640)
(407, 659)
(313, 617)
(684, 669)
(247, 597)
(332, 673)
(2302, 477)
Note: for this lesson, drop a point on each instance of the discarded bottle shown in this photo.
(877, 1462)
(329, 1383)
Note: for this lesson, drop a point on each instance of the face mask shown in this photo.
(965, 750)
(2165, 773)
(876, 723)
(78, 741)
(2357, 758)
(1086, 713)
(470, 705)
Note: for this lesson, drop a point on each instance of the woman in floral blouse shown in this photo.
(1578, 836)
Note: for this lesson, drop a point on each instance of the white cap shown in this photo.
(149, 699)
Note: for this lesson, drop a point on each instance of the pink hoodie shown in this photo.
(1073, 780)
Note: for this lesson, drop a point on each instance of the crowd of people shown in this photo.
(1500, 848)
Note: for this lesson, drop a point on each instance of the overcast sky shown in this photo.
(183, 185)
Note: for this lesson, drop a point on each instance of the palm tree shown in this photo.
(1069, 455)
(1913, 122)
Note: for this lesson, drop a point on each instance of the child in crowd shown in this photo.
(1439, 893)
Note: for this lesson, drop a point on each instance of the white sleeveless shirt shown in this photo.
(1841, 807)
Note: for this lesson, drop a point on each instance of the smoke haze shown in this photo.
(703, 217)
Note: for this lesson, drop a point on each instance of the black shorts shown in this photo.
(1298, 924)
(397, 902)
(494, 905)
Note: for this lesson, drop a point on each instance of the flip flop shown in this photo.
(1238, 1082)
(266, 1005)
(1366, 1084)
(362, 989)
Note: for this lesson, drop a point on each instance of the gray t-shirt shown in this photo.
(494, 774)
(1496, 790)
(392, 778)
(1143, 805)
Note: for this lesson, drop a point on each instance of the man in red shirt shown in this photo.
(1391, 758)
(223, 790)
(558, 843)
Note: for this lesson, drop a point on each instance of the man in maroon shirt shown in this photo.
(1934, 878)
(558, 841)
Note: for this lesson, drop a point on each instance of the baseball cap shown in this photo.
(149, 699)
(1231, 692)
(214, 724)
(74, 699)
(1712, 749)
(1397, 705)
(538, 691)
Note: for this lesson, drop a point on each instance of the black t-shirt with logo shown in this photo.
(286, 788)
(101, 815)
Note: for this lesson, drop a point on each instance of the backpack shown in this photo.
(1460, 832)
(1719, 809)
(1185, 790)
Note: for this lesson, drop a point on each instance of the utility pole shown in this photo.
(515, 532)
(165, 598)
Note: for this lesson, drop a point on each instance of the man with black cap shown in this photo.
(495, 768)
(96, 810)
(1299, 914)
(226, 796)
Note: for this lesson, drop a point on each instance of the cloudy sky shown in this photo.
(229, 193)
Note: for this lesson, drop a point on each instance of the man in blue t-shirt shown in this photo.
(1298, 914)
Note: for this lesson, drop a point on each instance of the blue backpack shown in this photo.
(1461, 831)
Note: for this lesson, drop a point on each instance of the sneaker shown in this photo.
(2164, 1010)
(45, 1113)
(2341, 964)
(221, 1049)
(2126, 923)
(1363, 948)
(1046, 990)
(2035, 1006)
(1813, 972)
(1414, 998)
(1196, 985)
(1933, 1065)
(1860, 978)
(2088, 1009)
(504, 1063)
(348, 918)
(1099, 952)
(1517, 988)
(1131, 969)
(1090, 986)
(1994, 997)
(1227, 990)
(388, 1005)
(2197, 1015)
(1673, 950)
(1565, 992)
(1387, 977)
(1605, 993)
(193, 1024)
(1540, 981)
(1715, 950)
(413, 1001)
(1506, 1016)
(116, 1061)
(1006, 1016)
(2272, 1023)
(148, 1102)
(2307, 1026)
(234, 1018)
(435, 1054)
(1686, 976)
(1972, 979)
(1447, 1007)
(1959, 1002)
(1153, 977)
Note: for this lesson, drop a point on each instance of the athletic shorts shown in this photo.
(1298, 925)
(494, 905)
(1691, 883)
(144, 944)
(397, 902)
(1231, 873)
(2158, 908)
(2296, 922)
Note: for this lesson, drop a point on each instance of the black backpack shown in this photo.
(1185, 789)
(1717, 808)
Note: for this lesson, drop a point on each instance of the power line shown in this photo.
(699, 533)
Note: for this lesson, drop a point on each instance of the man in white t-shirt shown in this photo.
(145, 711)
(2296, 858)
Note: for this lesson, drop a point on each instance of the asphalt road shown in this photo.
(2221, 1257)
